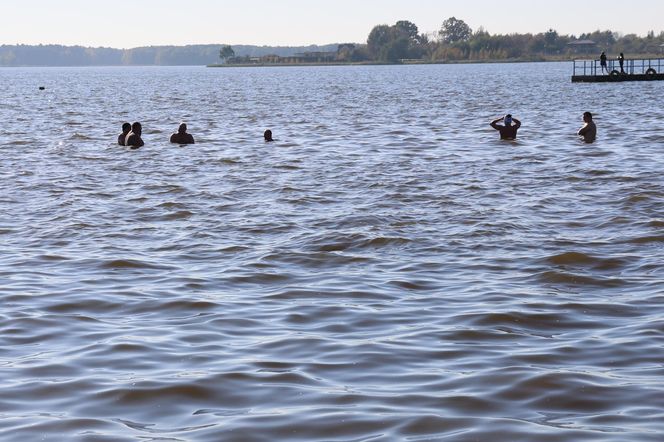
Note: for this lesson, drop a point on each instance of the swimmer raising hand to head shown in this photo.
(507, 129)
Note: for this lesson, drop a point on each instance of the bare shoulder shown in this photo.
(134, 141)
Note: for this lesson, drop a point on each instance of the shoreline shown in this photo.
(424, 62)
(378, 63)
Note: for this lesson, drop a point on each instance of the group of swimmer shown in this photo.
(131, 136)
(511, 125)
(131, 133)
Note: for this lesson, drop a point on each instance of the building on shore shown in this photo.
(583, 46)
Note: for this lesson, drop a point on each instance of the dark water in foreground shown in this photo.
(387, 271)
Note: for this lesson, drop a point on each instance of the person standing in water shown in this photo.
(182, 137)
(126, 128)
(589, 130)
(507, 129)
(134, 139)
(268, 136)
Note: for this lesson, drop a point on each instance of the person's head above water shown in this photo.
(137, 128)
(183, 128)
(507, 120)
(268, 135)
(126, 128)
(587, 117)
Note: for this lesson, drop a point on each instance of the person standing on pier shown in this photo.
(602, 62)
(621, 61)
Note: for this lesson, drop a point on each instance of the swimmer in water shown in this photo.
(268, 136)
(134, 139)
(507, 129)
(589, 130)
(126, 128)
(182, 137)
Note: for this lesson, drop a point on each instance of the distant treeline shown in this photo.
(56, 55)
(456, 41)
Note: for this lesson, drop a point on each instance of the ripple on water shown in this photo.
(129, 264)
(577, 259)
(647, 239)
(375, 274)
(576, 280)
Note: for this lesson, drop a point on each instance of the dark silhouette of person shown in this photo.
(126, 128)
(268, 136)
(134, 139)
(589, 130)
(182, 137)
(621, 61)
(602, 62)
(507, 129)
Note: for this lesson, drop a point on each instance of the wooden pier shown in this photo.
(591, 71)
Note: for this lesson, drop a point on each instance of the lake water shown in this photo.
(387, 270)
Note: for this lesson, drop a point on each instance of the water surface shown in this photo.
(387, 270)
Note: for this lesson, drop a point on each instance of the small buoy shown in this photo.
(41, 88)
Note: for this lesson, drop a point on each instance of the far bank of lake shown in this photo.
(423, 62)
(379, 63)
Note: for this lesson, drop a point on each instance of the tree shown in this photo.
(379, 36)
(409, 29)
(550, 39)
(345, 52)
(397, 42)
(602, 38)
(455, 30)
(395, 50)
(226, 52)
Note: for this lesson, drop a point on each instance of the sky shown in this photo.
(133, 23)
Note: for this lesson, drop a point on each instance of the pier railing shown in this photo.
(641, 66)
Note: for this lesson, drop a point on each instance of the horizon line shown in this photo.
(177, 45)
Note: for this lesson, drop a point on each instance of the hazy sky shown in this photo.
(131, 23)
